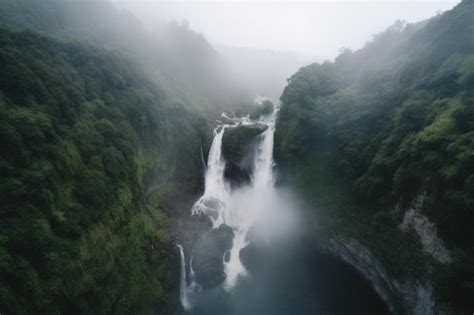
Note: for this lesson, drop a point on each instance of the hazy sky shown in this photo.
(316, 28)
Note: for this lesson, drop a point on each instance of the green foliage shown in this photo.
(180, 59)
(390, 121)
(85, 140)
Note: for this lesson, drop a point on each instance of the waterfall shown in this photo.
(183, 289)
(241, 208)
(263, 176)
(216, 189)
(247, 205)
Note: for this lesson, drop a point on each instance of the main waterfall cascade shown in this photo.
(242, 208)
(270, 266)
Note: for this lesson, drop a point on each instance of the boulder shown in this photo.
(236, 174)
(237, 140)
(238, 150)
(208, 256)
(249, 257)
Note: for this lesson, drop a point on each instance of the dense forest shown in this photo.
(100, 150)
(92, 153)
(386, 129)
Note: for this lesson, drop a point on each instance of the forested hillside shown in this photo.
(103, 125)
(178, 58)
(92, 154)
(385, 134)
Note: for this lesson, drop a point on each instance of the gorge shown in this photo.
(140, 175)
(256, 251)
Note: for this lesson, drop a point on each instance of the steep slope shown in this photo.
(93, 155)
(382, 142)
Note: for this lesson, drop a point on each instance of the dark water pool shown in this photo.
(294, 278)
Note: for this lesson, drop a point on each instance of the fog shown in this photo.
(316, 29)
(263, 43)
(222, 53)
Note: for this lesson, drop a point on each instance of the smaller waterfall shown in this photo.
(183, 288)
(263, 177)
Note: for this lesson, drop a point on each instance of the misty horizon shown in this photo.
(315, 30)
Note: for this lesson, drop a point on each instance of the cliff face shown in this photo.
(380, 141)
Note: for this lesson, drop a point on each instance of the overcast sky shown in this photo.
(316, 28)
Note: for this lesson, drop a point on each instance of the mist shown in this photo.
(225, 53)
(263, 43)
(315, 28)
(260, 242)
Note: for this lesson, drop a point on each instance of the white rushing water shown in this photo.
(241, 208)
(183, 285)
(246, 206)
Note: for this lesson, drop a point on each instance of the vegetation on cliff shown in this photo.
(379, 128)
(236, 140)
(238, 149)
(181, 60)
(92, 151)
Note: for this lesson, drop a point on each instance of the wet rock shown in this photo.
(210, 206)
(249, 257)
(238, 149)
(236, 175)
(227, 256)
(236, 140)
(208, 256)
(356, 255)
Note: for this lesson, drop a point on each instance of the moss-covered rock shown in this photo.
(237, 146)
(237, 140)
